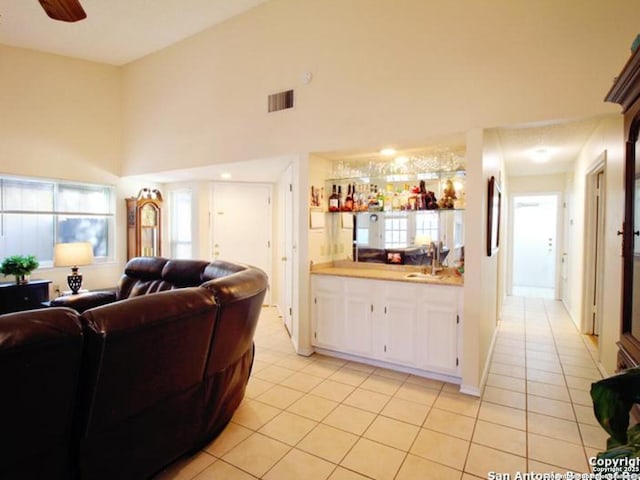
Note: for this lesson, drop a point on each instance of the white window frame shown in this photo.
(174, 225)
(55, 212)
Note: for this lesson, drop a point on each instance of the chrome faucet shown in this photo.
(435, 257)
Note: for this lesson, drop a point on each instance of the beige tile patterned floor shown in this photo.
(324, 418)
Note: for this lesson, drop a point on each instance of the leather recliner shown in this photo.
(142, 398)
(40, 358)
(164, 364)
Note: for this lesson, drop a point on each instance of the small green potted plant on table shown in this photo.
(19, 266)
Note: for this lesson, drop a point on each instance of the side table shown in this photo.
(28, 296)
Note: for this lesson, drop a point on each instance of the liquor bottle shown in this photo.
(396, 202)
(333, 201)
(374, 206)
(380, 198)
(348, 202)
(340, 199)
(423, 195)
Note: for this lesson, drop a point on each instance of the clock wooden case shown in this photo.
(144, 224)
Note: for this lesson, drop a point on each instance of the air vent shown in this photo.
(281, 101)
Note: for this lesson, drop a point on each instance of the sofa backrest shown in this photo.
(144, 363)
(239, 297)
(144, 275)
(40, 356)
(142, 350)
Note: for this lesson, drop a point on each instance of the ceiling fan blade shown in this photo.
(64, 10)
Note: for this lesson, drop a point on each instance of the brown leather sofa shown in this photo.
(164, 364)
(40, 357)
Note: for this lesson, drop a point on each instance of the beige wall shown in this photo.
(537, 183)
(608, 137)
(60, 117)
(481, 271)
(384, 71)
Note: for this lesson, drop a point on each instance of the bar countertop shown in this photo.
(396, 273)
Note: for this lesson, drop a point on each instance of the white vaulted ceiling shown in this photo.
(115, 31)
(120, 31)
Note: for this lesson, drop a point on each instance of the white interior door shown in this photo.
(535, 241)
(241, 224)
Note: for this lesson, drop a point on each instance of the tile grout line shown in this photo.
(573, 409)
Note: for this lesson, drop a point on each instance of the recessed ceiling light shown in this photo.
(541, 155)
(225, 176)
(388, 152)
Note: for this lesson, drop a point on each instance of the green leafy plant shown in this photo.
(613, 398)
(19, 265)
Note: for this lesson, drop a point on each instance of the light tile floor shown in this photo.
(324, 418)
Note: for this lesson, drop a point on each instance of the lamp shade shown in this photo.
(72, 254)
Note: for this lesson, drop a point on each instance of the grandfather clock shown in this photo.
(144, 222)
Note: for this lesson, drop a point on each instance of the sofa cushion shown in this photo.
(142, 275)
(145, 268)
(184, 273)
(40, 355)
(221, 268)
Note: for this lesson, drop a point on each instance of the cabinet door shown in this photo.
(398, 322)
(438, 329)
(360, 296)
(328, 312)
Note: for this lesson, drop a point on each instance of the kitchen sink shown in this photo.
(422, 276)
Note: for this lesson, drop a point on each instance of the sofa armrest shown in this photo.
(84, 301)
(238, 286)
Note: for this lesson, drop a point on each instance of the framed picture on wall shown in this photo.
(494, 200)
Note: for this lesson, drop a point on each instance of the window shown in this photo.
(427, 223)
(36, 214)
(180, 221)
(396, 229)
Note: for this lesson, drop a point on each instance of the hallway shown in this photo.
(324, 418)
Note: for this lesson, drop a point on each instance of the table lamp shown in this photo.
(72, 255)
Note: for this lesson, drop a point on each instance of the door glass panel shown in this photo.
(635, 288)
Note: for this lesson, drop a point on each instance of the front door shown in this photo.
(534, 245)
(241, 224)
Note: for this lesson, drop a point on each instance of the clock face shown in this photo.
(148, 216)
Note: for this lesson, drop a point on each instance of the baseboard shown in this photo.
(602, 370)
(305, 352)
(391, 366)
(468, 390)
(485, 371)
(573, 320)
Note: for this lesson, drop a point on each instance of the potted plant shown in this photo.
(613, 398)
(19, 266)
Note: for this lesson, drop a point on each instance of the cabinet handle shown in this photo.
(372, 307)
(385, 348)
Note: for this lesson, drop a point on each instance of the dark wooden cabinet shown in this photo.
(28, 296)
(626, 92)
